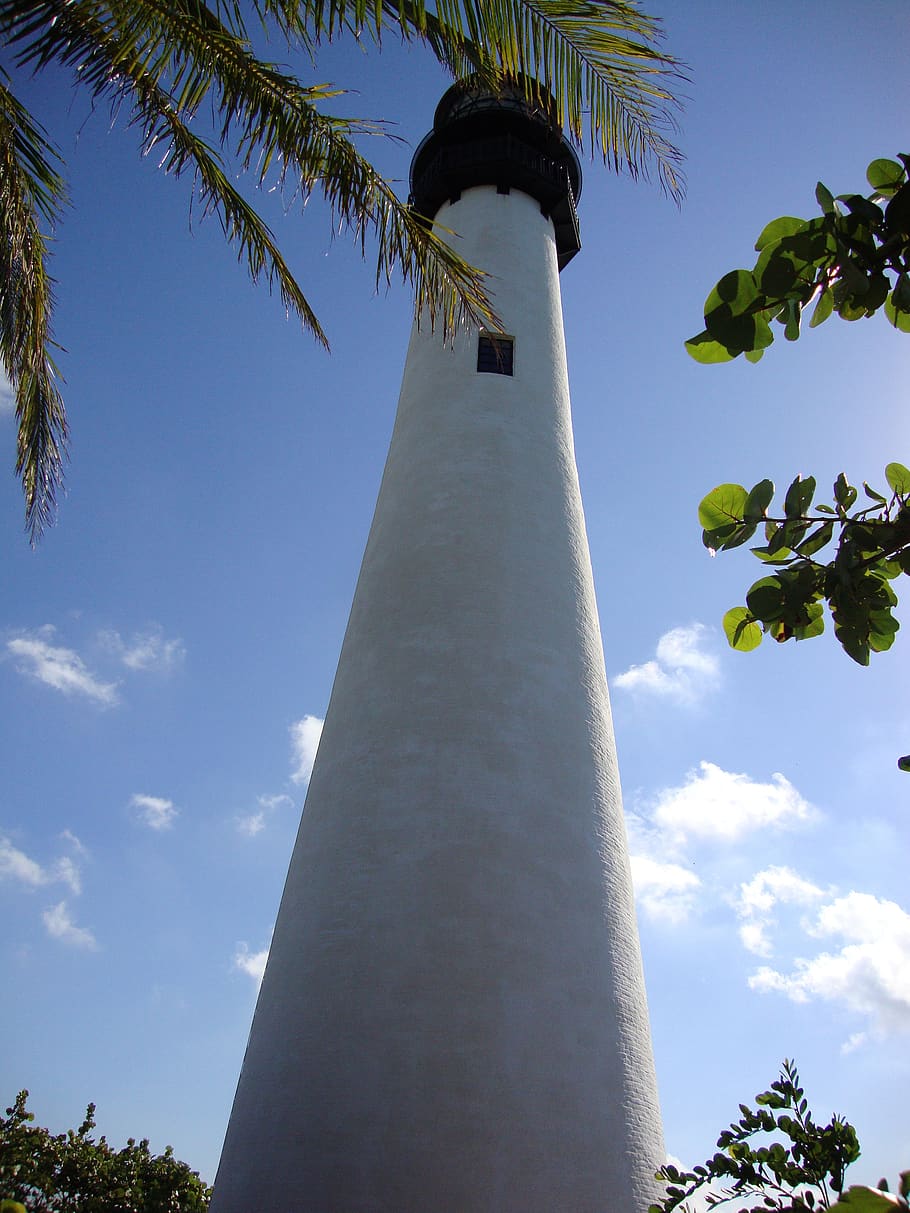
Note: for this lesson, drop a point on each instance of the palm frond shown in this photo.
(30, 186)
(601, 59)
(166, 58)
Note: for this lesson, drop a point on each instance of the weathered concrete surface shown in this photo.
(453, 1017)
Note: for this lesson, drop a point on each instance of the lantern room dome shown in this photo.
(481, 137)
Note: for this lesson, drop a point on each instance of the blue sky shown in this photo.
(167, 652)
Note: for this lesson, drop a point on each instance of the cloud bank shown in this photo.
(865, 967)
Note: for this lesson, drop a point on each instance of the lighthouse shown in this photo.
(453, 1016)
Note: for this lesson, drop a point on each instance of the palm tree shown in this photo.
(165, 62)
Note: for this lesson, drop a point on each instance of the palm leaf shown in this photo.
(166, 58)
(601, 59)
(31, 187)
(162, 59)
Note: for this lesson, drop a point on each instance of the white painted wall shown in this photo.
(453, 1018)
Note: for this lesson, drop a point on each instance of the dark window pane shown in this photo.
(494, 355)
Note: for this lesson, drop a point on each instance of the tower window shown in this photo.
(494, 354)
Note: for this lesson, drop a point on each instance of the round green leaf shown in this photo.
(817, 540)
(899, 478)
(902, 293)
(730, 313)
(897, 213)
(885, 176)
(844, 493)
(777, 271)
(736, 289)
(724, 504)
(706, 350)
(791, 332)
(823, 308)
(741, 630)
(900, 319)
(758, 500)
(799, 496)
(765, 599)
(815, 615)
(777, 229)
(903, 764)
(825, 199)
(879, 286)
(867, 1200)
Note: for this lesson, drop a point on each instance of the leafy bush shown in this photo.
(72, 1173)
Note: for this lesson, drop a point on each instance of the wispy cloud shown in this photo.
(58, 667)
(16, 865)
(60, 926)
(154, 811)
(254, 823)
(147, 650)
(724, 806)
(251, 963)
(758, 897)
(681, 670)
(665, 891)
(866, 969)
(305, 736)
(77, 845)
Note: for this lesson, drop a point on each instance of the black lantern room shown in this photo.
(485, 138)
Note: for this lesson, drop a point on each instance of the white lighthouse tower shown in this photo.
(453, 1017)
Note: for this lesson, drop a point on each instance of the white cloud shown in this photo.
(682, 671)
(255, 823)
(868, 970)
(76, 843)
(724, 806)
(305, 736)
(758, 897)
(665, 891)
(146, 650)
(154, 811)
(57, 667)
(61, 926)
(16, 865)
(252, 825)
(251, 963)
(66, 871)
(853, 1042)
